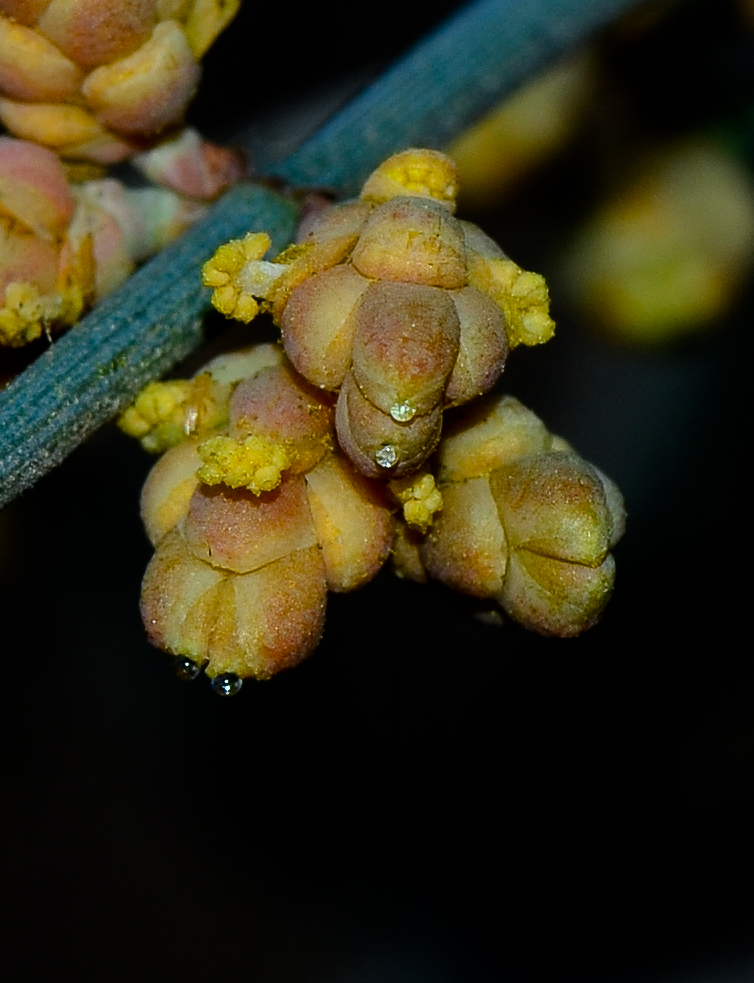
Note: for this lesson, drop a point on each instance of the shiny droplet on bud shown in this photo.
(186, 669)
(227, 685)
(403, 412)
(386, 456)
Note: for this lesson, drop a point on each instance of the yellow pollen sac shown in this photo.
(522, 296)
(256, 463)
(156, 416)
(166, 413)
(27, 313)
(423, 173)
(226, 271)
(420, 498)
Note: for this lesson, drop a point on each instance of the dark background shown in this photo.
(427, 799)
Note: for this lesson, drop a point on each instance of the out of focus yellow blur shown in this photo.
(664, 242)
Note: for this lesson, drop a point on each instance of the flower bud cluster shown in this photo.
(525, 521)
(288, 475)
(94, 79)
(253, 524)
(65, 246)
(392, 303)
(94, 82)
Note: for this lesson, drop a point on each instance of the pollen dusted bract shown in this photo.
(290, 472)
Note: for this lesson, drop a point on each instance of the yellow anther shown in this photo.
(256, 463)
(156, 416)
(522, 296)
(420, 498)
(246, 308)
(214, 275)
(423, 173)
(226, 271)
(27, 313)
(166, 413)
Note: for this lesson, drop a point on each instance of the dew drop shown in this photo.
(402, 412)
(227, 685)
(186, 668)
(386, 456)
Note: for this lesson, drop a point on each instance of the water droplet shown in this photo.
(227, 685)
(186, 668)
(402, 412)
(386, 456)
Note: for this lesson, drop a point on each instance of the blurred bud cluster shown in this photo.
(85, 84)
(372, 433)
(642, 164)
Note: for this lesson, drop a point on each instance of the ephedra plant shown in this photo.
(377, 432)
(371, 435)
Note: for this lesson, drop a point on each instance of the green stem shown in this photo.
(449, 80)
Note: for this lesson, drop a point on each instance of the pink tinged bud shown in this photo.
(95, 236)
(179, 599)
(34, 188)
(413, 240)
(405, 345)
(561, 518)
(239, 531)
(276, 404)
(554, 504)
(318, 324)
(148, 90)
(305, 261)
(191, 165)
(253, 625)
(489, 435)
(555, 597)
(466, 547)
(354, 527)
(158, 215)
(341, 223)
(149, 218)
(479, 242)
(25, 12)
(94, 32)
(483, 345)
(270, 619)
(26, 259)
(378, 445)
(167, 492)
(32, 68)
